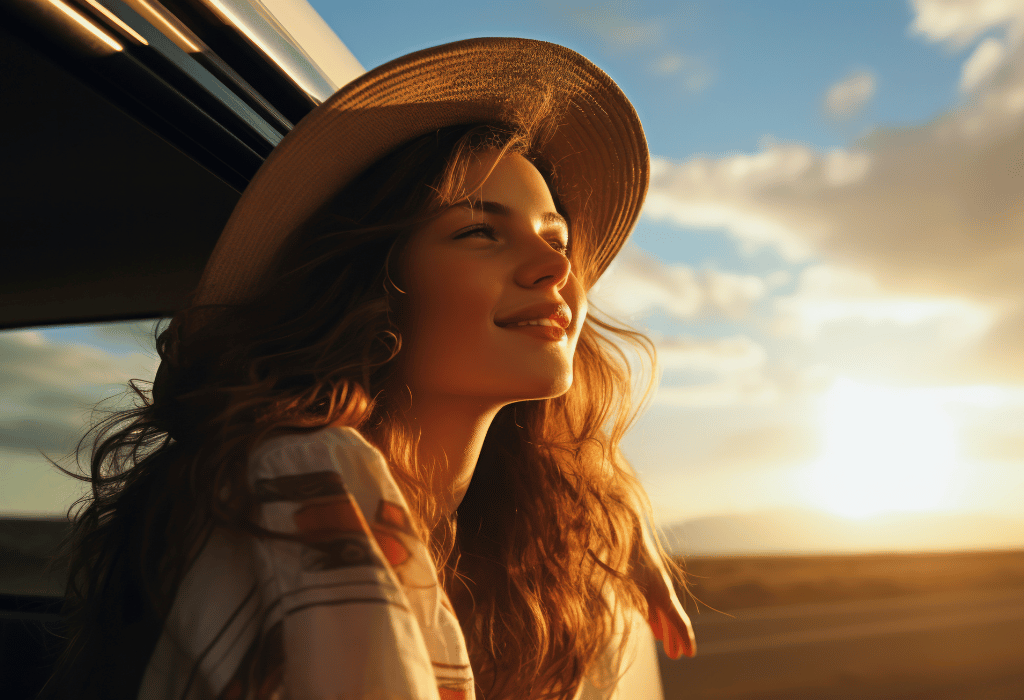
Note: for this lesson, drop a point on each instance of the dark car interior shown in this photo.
(121, 167)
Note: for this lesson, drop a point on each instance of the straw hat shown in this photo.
(595, 140)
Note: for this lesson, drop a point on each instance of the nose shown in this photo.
(543, 266)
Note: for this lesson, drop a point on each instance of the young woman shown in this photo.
(380, 455)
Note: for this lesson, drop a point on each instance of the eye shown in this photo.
(562, 248)
(477, 231)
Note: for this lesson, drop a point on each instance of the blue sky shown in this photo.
(768, 63)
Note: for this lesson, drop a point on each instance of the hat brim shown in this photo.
(596, 144)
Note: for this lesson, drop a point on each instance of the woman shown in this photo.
(380, 455)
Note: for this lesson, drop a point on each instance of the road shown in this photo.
(948, 646)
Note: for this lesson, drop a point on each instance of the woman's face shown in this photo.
(478, 279)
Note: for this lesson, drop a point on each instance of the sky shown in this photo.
(829, 258)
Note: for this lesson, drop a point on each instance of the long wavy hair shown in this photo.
(538, 559)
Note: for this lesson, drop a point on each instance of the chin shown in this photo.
(552, 388)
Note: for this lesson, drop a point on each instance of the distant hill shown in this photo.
(810, 532)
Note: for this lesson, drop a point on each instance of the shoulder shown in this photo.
(330, 449)
(332, 436)
(326, 463)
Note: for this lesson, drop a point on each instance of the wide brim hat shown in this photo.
(593, 139)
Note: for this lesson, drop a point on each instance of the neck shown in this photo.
(452, 432)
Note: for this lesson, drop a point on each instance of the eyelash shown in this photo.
(490, 231)
(482, 228)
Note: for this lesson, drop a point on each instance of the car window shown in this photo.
(56, 381)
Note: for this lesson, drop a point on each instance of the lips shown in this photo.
(560, 314)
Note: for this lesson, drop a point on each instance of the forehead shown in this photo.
(511, 180)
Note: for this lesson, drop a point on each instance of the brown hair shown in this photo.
(550, 525)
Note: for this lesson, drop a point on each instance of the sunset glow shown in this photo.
(884, 450)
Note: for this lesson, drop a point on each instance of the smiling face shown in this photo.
(492, 309)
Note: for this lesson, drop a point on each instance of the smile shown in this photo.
(546, 314)
(542, 329)
(539, 322)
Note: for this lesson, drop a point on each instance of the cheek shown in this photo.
(448, 301)
(576, 297)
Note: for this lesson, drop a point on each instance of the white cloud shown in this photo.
(779, 278)
(982, 64)
(828, 294)
(850, 95)
(695, 73)
(767, 198)
(623, 32)
(741, 391)
(726, 372)
(669, 63)
(722, 356)
(731, 294)
(49, 389)
(619, 32)
(639, 284)
(960, 21)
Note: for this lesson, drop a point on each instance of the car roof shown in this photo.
(122, 166)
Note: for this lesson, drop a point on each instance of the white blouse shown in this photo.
(352, 611)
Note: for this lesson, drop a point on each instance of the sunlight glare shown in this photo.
(885, 450)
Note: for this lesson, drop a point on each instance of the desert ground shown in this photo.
(935, 626)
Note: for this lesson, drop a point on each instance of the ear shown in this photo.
(665, 614)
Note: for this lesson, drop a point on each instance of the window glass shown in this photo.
(55, 382)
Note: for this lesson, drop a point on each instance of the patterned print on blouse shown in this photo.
(260, 673)
(329, 519)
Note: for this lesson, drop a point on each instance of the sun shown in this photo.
(885, 449)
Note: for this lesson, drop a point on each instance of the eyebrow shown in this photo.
(548, 218)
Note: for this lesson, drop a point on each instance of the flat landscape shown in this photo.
(734, 583)
(935, 626)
